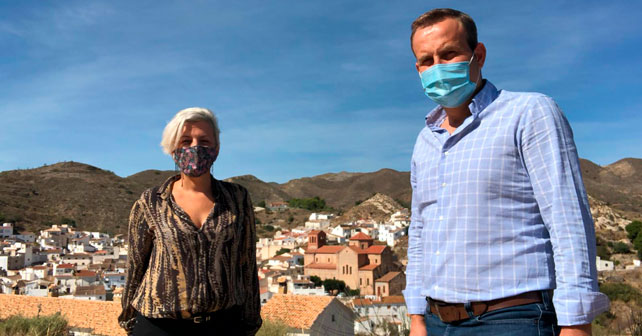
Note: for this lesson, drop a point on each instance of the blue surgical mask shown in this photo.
(448, 84)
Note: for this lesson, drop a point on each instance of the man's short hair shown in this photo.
(436, 15)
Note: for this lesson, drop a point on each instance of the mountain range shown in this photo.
(98, 200)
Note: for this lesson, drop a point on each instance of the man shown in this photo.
(501, 240)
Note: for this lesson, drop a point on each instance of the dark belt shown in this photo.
(221, 315)
(452, 312)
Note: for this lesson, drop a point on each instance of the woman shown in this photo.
(192, 264)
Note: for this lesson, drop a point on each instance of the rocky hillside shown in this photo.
(618, 185)
(378, 207)
(97, 199)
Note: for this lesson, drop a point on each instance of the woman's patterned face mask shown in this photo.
(196, 160)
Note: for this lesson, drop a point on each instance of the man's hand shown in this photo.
(578, 330)
(417, 325)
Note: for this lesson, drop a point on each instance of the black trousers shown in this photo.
(222, 323)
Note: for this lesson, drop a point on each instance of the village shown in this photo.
(346, 271)
(319, 275)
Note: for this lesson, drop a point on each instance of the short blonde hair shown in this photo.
(174, 127)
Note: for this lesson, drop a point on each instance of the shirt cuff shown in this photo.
(576, 308)
(415, 301)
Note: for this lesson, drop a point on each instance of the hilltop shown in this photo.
(97, 199)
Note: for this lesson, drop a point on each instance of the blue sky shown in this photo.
(300, 88)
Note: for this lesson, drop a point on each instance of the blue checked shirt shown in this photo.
(499, 209)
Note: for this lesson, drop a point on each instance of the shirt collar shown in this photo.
(480, 101)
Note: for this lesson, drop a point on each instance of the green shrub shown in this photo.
(603, 252)
(633, 229)
(51, 325)
(332, 284)
(622, 292)
(272, 328)
(312, 204)
(621, 247)
(317, 281)
(282, 250)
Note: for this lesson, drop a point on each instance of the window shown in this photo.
(360, 281)
(368, 281)
(332, 317)
(350, 269)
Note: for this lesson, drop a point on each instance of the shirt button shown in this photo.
(435, 287)
(443, 184)
(446, 153)
(437, 253)
(441, 217)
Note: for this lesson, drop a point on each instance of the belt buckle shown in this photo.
(436, 304)
(438, 311)
(200, 319)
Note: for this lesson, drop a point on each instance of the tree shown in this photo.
(332, 284)
(317, 281)
(261, 204)
(633, 229)
(312, 204)
(637, 244)
(282, 250)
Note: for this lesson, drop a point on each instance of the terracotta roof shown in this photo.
(39, 267)
(84, 273)
(76, 255)
(388, 276)
(369, 267)
(65, 266)
(296, 311)
(362, 302)
(393, 299)
(98, 316)
(90, 290)
(328, 249)
(356, 249)
(361, 236)
(376, 249)
(321, 266)
(303, 281)
(62, 276)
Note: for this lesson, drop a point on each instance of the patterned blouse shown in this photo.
(176, 270)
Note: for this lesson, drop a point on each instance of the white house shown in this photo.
(390, 234)
(6, 230)
(400, 218)
(93, 293)
(38, 287)
(372, 314)
(318, 221)
(114, 279)
(604, 265)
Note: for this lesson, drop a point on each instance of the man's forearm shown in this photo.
(578, 330)
(417, 325)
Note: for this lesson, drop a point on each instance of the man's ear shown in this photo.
(480, 54)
